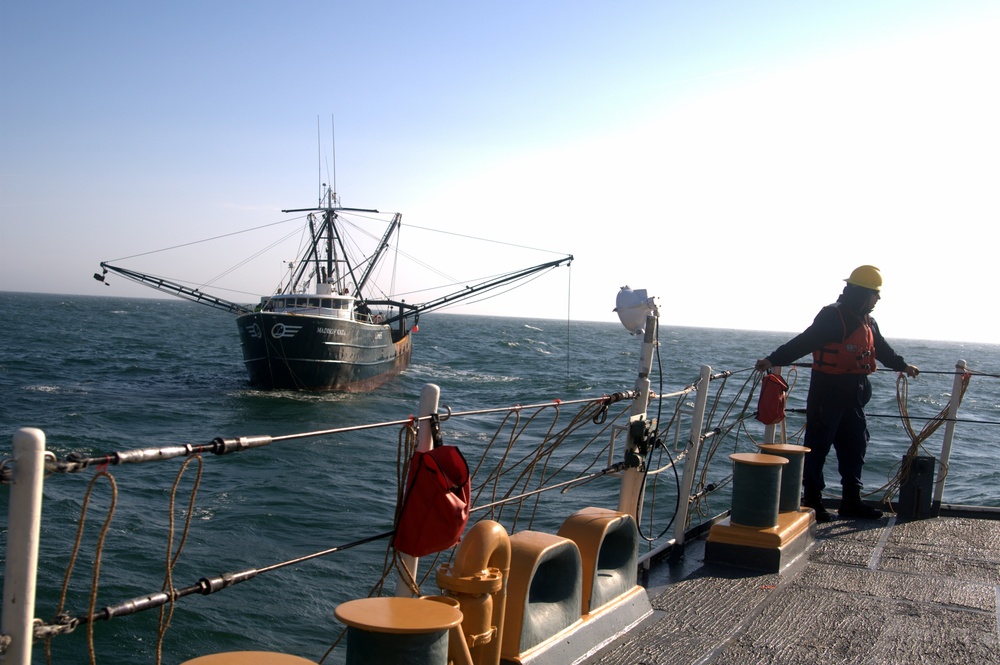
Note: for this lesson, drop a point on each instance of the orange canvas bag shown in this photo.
(771, 404)
(437, 502)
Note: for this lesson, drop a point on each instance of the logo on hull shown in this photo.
(254, 331)
(280, 330)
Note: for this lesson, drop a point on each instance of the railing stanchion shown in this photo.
(23, 527)
(949, 435)
(693, 453)
(430, 394)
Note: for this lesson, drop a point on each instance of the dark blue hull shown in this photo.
(304, 352)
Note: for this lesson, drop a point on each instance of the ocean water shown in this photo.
(107, 374)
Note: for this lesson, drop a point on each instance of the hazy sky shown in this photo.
(736, 159)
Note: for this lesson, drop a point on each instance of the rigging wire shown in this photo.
(664, 449)
(249, 259)
(487, 240)
(198, 242)
(569, 318)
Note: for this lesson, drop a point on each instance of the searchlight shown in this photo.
(633, 307)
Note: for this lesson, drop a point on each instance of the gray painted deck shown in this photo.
(868, 592)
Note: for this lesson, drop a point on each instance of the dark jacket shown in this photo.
(840, 390)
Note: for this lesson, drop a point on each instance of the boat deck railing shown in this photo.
(662, 457)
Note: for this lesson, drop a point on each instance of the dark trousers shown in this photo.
(844, 429)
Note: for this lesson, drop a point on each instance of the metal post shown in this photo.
(769, 432)
(429, 396)
(693, 452)
(633, 485)
(24, 521)
(949, 436)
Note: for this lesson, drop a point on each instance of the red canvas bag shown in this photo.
(771, 404)
(436, 504)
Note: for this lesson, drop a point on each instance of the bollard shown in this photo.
(397, 630)
(790, 497)
(756, 489)
(757, 535)
(249, 658)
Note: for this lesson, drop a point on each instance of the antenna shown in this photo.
(319, 163)
(333, 141)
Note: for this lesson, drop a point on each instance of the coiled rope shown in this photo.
(917, 439)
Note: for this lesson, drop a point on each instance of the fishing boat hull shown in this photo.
(302, 352)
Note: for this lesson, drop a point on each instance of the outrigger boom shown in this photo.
(173, 288)
(195, 295)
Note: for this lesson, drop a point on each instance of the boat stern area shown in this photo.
(867, 591)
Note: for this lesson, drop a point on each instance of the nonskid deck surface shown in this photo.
(878, 592)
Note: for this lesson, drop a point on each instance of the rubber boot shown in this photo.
(814, 500)
(852, 507)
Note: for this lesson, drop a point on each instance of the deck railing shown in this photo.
(618, 449)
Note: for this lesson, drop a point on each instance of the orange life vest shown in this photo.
(854, 355)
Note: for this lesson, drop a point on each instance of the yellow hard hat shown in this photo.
(867, 277)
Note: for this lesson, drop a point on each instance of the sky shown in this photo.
(735, 159)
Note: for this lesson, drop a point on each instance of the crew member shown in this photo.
(845, 342)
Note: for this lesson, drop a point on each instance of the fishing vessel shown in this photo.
(323, 329)
(562, 543)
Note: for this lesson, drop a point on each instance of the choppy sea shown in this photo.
(101, 374)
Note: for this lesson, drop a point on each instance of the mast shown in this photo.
(299, 270)
(379, 251)
(332, 263)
